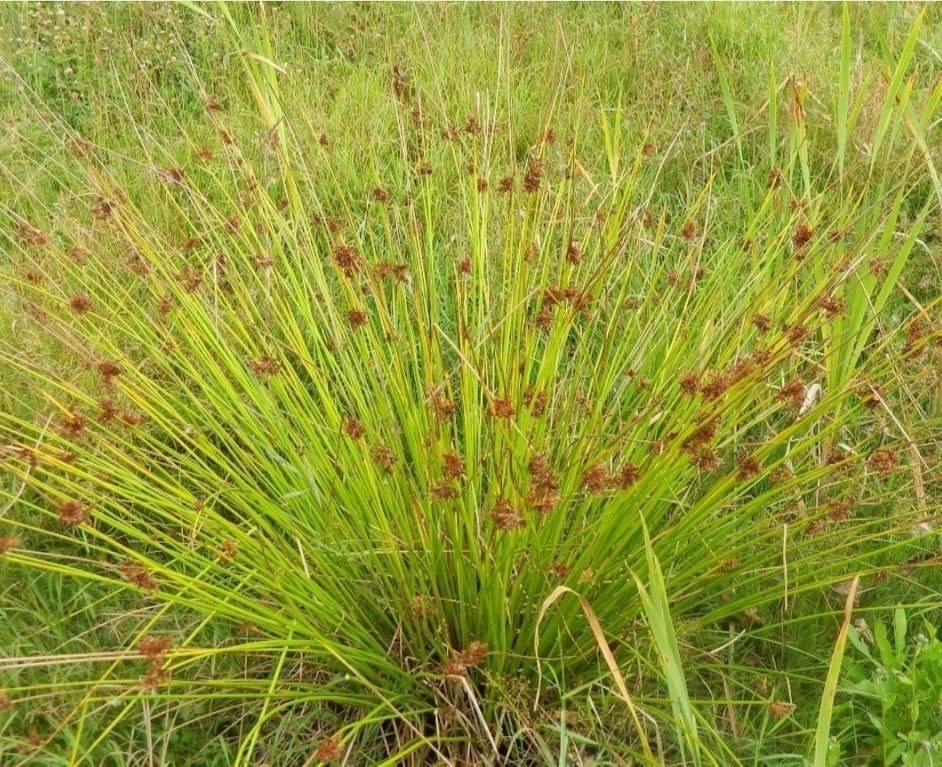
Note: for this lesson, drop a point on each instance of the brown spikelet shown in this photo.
(780, 709)
(442, 491)
(535, 401)
(153, 647)
(830, 306)
(265, 366)
(385, 457)
(690, 384)
(380, 195)
(715, 386)
(80, 147)
(747, 467)
(328, 750)
(8, 543)
(155, 676)
(802, 236)
(78, 255)
(596, 479)
(574, 254)
(454, 465)
(131, 418)
(914, 333)
(138, 575)
(560, 570)
(72, 424)
(72, 513)
(705, 460)
(356, 318)
(792, 393)
(228, 550)
(505, 517)
(353, 428)
(80, 303)
(534, 176)
(883, 461)
(502, 407)
(838, 511)
(190, 279)
(5, 703)
(108, 368)
(627, 475)
(689, 232)
(544, 485)
(472, 127)
(172, 175)
(30, 235)
(505, 185)
(700, 437)
(441, 405)
(761, 322)
(796, 333)
(190, 244)
(400, 84)
(261, 261)
(347, 259)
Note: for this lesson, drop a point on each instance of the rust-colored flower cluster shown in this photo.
(154, 649)
(459, 663)
(138, 575)
(72, 513)
(544, 485)
(505, 516)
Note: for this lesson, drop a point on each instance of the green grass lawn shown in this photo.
(470, 384)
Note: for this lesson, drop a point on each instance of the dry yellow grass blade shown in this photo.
(606, 653)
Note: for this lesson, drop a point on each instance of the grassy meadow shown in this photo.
(470, 384)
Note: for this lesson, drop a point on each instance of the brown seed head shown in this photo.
(627, 475)
(747, 466)
(690, 384)
(265, 366)
(883, 461)
(574, 254)
(356, 318)
(802, 236)
(80, 303)
(385, 457)
(502, 407)
(154, 646)
(8, 543)
(762, 323)
(329, 750)
(138, 575)
(72, 424)
(353, 428)
(453, 465)
(108, 368)
(347, 259)
(534, 176)
(596, 479)
(505, 517)
(229, 550)
(72, 513)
